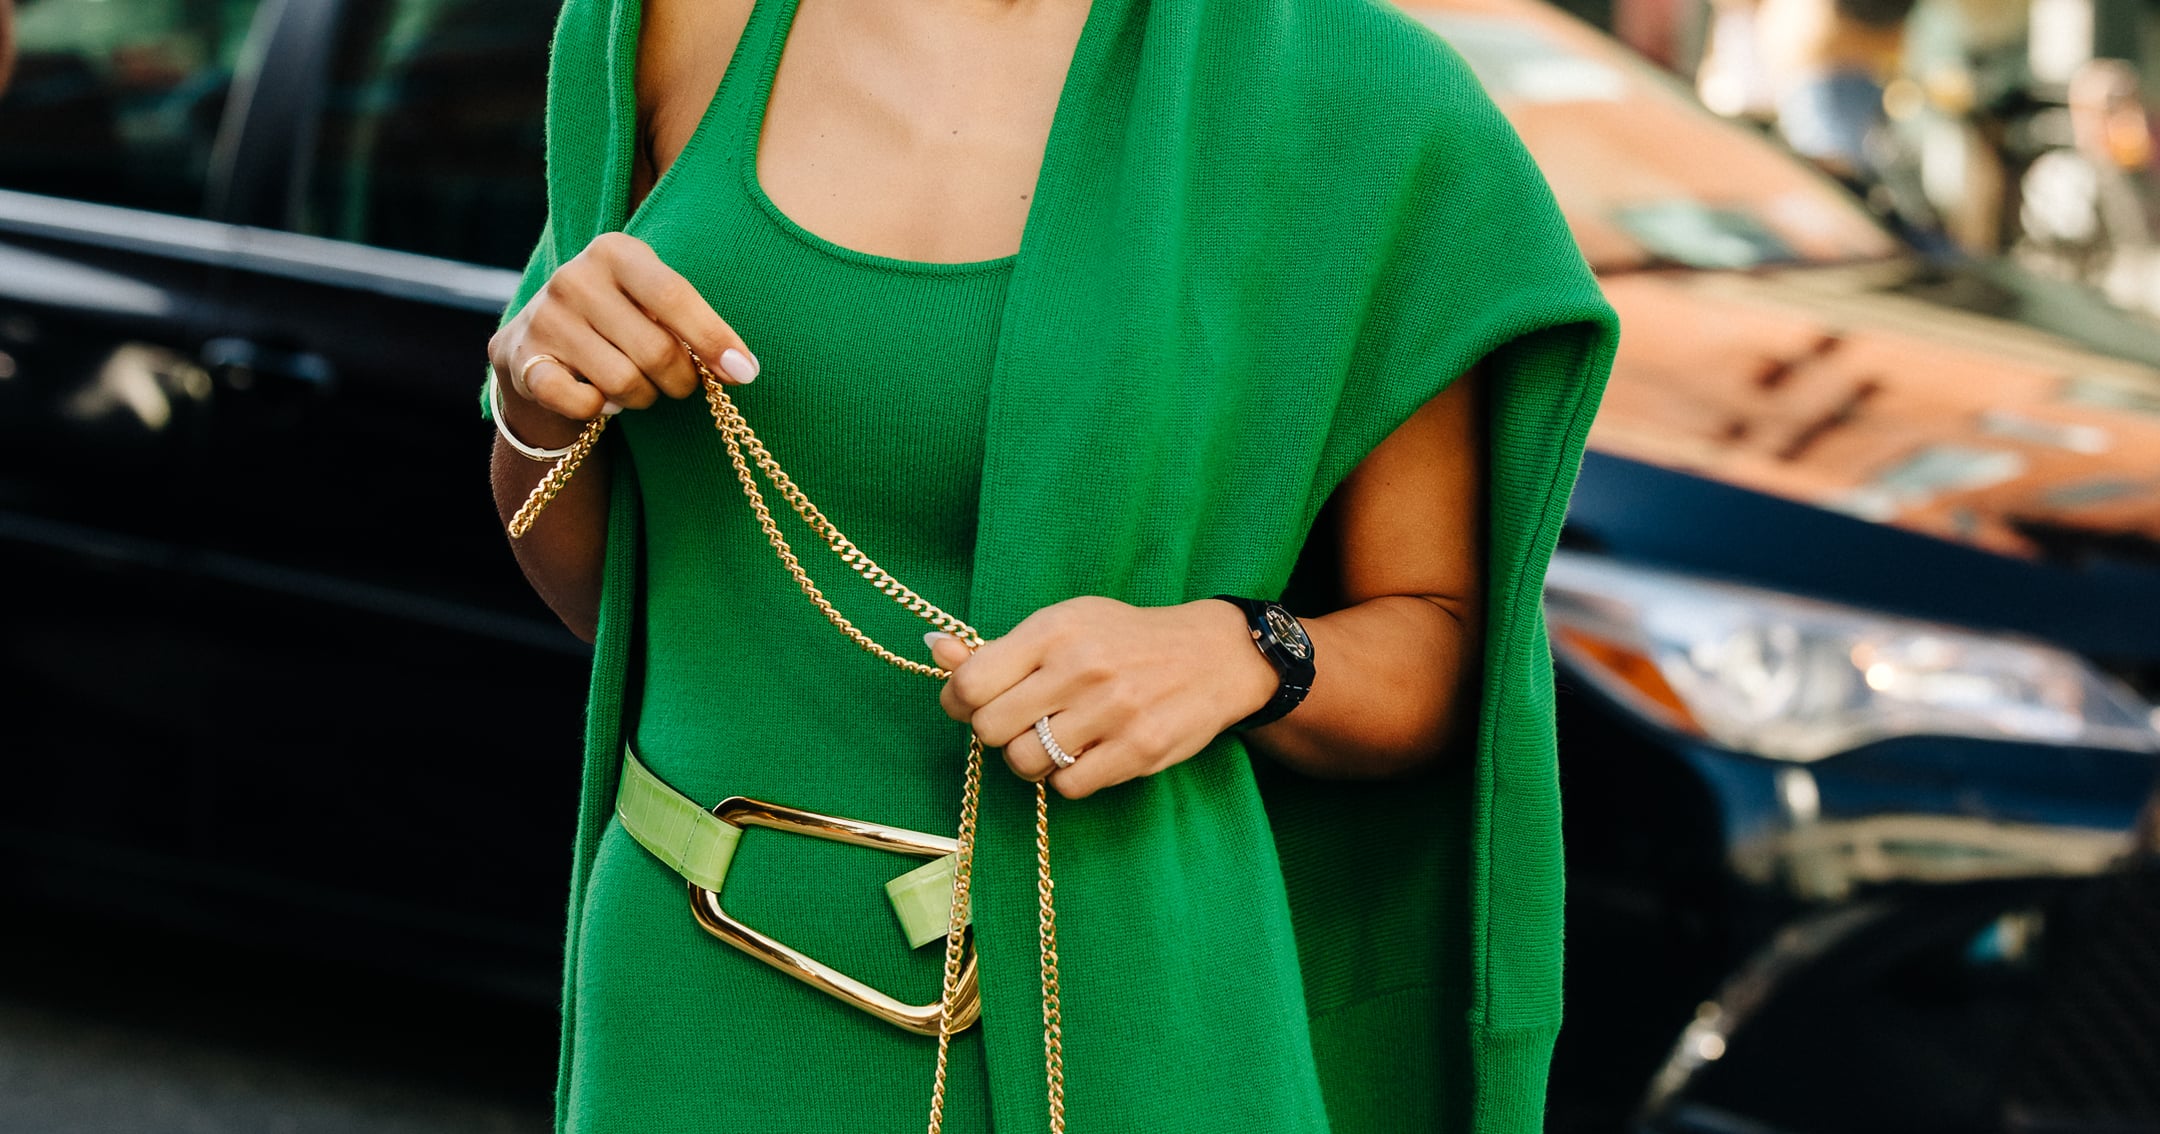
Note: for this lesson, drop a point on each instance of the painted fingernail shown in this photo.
(931, 639)
(609, 409)
(739, 366)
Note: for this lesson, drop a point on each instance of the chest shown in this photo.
(911, 130)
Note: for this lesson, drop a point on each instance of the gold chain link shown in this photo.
(556, 478)
(1053, 1020)
(736, 434)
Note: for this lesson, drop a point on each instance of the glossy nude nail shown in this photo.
(738, 366)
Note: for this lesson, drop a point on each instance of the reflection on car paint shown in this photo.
(138, 382)
(1951, 424)
(1695, 235)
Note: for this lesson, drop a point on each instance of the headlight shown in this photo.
(1793, 678)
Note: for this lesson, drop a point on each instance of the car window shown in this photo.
(1646, 175)
(118, 101)
(431, 137)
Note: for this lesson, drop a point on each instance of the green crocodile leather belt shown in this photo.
(699, 843)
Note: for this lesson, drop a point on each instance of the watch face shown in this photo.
(1289, 633)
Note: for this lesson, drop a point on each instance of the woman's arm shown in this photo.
(1133, 690)
(612, 314)
(615, 318)
(1409, 535)
(562, 556)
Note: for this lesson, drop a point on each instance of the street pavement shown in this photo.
(107, 1031)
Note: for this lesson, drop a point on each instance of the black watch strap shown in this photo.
(1282, 640)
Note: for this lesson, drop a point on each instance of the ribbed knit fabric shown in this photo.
(872, 390)
(1264, 234)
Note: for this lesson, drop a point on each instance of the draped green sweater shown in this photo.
(1264, 234)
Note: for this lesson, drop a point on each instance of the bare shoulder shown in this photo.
(683, 49)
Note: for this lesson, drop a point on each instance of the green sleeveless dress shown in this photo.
(872, 395)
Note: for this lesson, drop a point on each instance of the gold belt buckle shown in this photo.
(922, 1019)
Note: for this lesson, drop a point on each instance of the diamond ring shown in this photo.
(1058, 755)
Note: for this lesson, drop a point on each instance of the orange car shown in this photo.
(1779, 339)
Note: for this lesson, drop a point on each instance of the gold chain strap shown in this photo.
(556, 477)
(736, 434)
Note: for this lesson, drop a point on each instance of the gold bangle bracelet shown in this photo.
(531, 452)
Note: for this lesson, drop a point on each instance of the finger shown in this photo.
(947, 651)
(509, 350)
(1013, 713)
(950, 656)
(654, 349)
(593, 363)
(1078, 731)
(1107, 764)
(995, 667)
(601, 329)
(557, 388)
(677, 304)
(1027, 757)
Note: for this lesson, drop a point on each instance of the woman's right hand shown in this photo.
(613, 315)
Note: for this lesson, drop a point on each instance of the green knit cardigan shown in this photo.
(1264, 234)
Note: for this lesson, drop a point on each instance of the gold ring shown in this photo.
(524, 369)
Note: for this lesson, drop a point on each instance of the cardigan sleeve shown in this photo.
(1483, 266)
(1480, 262)
(539, 265)
(1477, 264)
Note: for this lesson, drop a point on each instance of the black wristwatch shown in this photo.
(1281, 639)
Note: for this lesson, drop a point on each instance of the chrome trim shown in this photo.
(291, 255)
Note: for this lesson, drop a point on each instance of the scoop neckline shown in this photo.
(775, 44)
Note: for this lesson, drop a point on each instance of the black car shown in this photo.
(250, 257)
(251, 252)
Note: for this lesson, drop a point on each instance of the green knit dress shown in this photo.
(1263, 235)
(872, 395)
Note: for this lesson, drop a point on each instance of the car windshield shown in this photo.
(1646, 175)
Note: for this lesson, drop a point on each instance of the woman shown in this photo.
(1074, 316)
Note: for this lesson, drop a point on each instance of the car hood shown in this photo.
(1879, 391)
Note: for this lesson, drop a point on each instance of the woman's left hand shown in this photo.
(1129, 690)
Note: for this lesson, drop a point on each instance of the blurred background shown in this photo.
(1856, 616)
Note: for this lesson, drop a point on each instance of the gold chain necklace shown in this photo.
(736, 434)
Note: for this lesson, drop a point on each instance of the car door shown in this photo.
(277, 672)
(406, 709)
(109, 151)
